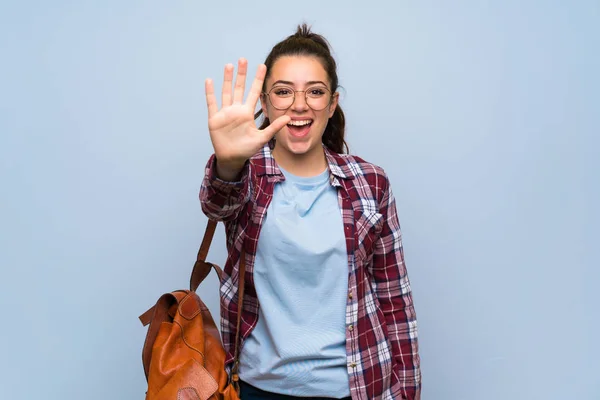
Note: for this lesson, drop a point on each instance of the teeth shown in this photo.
(300, 123)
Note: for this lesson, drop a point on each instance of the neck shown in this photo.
(305, 165)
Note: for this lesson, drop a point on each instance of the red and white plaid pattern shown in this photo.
(381, 335)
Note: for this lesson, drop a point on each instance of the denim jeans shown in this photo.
(249, 392)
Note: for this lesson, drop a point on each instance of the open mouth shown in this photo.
(299, 128)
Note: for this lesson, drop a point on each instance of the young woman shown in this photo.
(327, 309)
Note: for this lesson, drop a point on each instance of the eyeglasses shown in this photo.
(316, 97)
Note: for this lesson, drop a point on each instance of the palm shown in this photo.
(233, 131)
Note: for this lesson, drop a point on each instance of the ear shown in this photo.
(334, 102)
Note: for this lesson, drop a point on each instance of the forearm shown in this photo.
(225, 190)
(403, 337)
(395, 300)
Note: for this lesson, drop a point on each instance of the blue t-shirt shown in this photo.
(298, 347)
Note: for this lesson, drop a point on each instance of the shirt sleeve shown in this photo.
(223, 200)
(392, 288)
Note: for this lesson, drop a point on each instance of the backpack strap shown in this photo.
(201, 267)
(199, 273)
(236, 360)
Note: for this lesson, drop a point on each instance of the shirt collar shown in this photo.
(265, 164)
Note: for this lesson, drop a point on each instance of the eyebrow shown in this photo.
(281, 82)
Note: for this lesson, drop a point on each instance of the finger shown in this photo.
(257, 86)
(211, 100)
(275, 127)
(227, 82)
(240, 81)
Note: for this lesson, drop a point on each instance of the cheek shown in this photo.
(324, 117)
(274, 113)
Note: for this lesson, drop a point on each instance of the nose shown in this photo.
(299, 103)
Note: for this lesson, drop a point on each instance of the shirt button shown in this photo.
(350, 295)
(350, 327)
(353, 365)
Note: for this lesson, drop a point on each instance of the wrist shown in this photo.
(229, 171)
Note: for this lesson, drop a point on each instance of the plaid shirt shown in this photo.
(381, 336)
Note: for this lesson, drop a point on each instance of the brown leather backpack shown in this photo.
(183, 355)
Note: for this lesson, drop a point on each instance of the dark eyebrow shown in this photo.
(281, 82)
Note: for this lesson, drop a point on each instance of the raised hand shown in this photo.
(233, 132)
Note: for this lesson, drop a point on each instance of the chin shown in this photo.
(298, 148)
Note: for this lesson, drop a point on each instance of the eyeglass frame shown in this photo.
(294, 99)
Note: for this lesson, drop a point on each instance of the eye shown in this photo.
(316, 92)
(283, 92)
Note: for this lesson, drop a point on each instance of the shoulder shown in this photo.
(362, 174)
(356, 167)
(364, 167)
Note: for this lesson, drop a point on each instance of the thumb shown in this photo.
(275, 127)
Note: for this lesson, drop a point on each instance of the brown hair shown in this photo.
(306, 43)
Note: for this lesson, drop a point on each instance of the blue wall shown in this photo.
(484, 114)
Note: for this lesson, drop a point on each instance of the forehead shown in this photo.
(297, 69)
